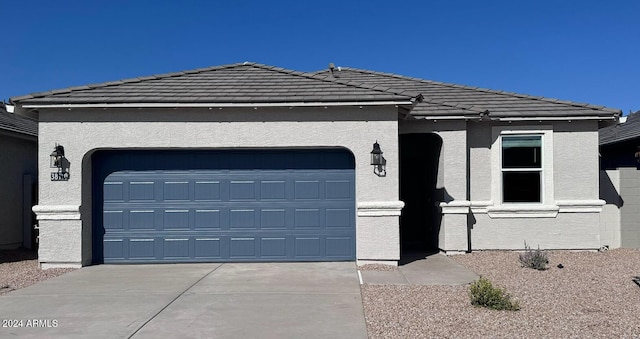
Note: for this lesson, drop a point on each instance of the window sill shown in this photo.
(523, 211)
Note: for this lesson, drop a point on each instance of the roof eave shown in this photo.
(558, 118)
(18, 133)
(446, 117)
(220, 104)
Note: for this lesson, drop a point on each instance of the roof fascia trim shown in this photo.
(222, 105)
(446, 117)
(565, 118)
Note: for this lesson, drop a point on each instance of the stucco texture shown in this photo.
(610, 216)
(470, 161)
(83, 131)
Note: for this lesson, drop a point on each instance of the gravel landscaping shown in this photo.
(377, 267)
(593, 296)
(19, 269)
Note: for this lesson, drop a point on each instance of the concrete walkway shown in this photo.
(433, 269)
(292, 300)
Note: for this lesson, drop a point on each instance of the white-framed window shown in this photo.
(521, 167)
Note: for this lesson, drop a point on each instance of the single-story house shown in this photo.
(248, 162)
(19, 167)
(620, 183)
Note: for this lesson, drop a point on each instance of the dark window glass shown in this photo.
(521, 186)
(521, 151)
(521, 168)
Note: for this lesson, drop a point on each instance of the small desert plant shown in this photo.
(483, 293)
(536, 259)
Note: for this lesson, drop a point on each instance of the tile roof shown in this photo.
(628, 130)
(252, 83)
(451, 100)
(17, 123)
(235, 83)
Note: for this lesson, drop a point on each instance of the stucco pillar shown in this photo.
(452, 180)
(60, 235)
(378, 232)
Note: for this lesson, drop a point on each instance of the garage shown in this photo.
(166, 206)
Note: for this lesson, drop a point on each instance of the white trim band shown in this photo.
(57, 212)
(455, 207)
(480, 206)
(537, 211)
(580, 206)
(380, 208)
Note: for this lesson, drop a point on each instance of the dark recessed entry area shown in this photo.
(420, 220)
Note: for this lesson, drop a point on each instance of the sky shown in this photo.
(585, 51)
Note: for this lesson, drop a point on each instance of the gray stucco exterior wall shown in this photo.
(18, 157)
(64, 210)
(610, 216)
(469, 171)
(476, 219)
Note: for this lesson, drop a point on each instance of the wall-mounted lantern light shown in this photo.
(378, 161)
(637, 155)
(59, 161)
(56, 156)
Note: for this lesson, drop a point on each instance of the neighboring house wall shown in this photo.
(630, 210)
(475, 218)
(18, 157)
(65, 207)
(620, 221)
(620, 188)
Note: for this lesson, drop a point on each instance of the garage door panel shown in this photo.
(114, 191)
(338, 217)
(207, 190)
(113, 220)
(244, 218)
(176, 190)
(207, 248)
(307, 189)
(307, 217)
(176, 220)
(242, 248)
(338, 246)
(207, 219)
(142, 248)
(114, 249)
(338, 190)
(273, 247)
(273, 218)
(254, 206)
(177, 248)
(308, 247)
(141, 190)
(141, 220)
(242, 190)
(272, 190)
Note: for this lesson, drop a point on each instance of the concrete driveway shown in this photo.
(265, 300)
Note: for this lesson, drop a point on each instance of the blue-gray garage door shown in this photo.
(222, 206)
